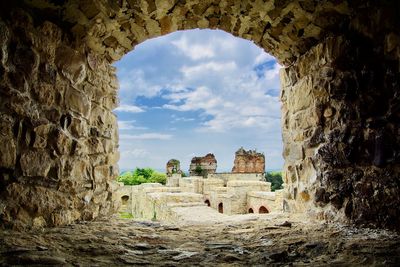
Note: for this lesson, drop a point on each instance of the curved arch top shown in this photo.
(285, 29)
(339, 94)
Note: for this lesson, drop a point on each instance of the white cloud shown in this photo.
(134, 83)
(180, 119)
(199, 99)
(129, 108)
(263, 57)
(129, 125)
(145, 136)
(194, 51)
(238, 99)
(135, 153)
(226, 85)
(272, 74)
(208, 67)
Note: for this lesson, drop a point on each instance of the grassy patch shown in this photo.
(125, 215)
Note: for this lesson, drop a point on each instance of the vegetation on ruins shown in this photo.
(142, 175)
(199, 170)
(275, 178)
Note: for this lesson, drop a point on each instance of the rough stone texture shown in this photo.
(341, 127)
(57, 135)
(252, 241)
(155, 201)
(248, 162)
(340, 95)
(203, 165)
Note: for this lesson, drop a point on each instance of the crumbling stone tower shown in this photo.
(203, 165)
(173, 166)
(248, 162)
(339, 92)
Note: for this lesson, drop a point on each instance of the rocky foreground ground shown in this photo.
(273, 240)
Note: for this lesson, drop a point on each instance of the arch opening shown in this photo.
(314, 127)
(207, 202)
(251, 210)
(263, 210)
(124, 200)
(239, 95)
(221, 207)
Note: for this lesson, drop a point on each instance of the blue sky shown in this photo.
(193, 92)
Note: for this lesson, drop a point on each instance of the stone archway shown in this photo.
(339, 100)
(221, 207)
(207, 202)
(124, 200)
(251, 210)
(262, 210)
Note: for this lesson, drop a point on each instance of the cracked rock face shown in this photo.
(248, 242)
(340, 101)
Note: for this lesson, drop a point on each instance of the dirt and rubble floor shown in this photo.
(253, 241)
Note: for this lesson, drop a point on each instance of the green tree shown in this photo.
(142, 175)
(275, 178)
(198, 170)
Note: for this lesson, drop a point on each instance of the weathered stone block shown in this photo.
(63, 142)
(45, 94)
(293, 152)
(41, 135)
(8, 152)
(35, 163)
(71, 63)
(78, 102)
(300, 97)
(78, 127)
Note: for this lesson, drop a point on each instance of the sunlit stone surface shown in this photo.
(340, 101)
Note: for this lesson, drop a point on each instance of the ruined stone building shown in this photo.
(173, 166)
(339, 93)
(248, 162)
(202, 166)
(228, 193)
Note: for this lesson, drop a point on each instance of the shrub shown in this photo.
(275, 178)
(199, 170)
(142, 175)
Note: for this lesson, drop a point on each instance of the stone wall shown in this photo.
(341, 130)
(58, 152)
(269, 200)
(228, 176)
(340, 95)
(248, 162)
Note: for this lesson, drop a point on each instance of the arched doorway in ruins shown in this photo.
(221, 207)
(251, 210)
(339, 100)
(124, 200)
(164, 79)
(263, 209)
(207, 202)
